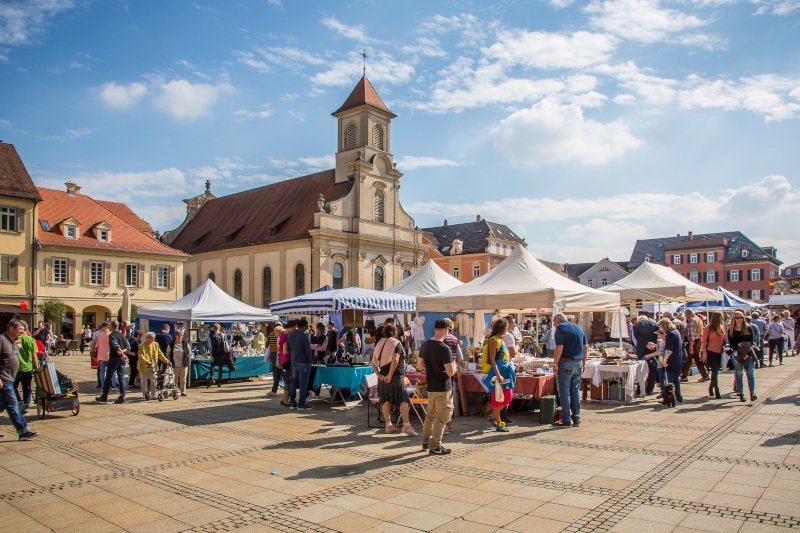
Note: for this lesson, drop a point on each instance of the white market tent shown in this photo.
(520, 282)
(651, 282)
(428, 280)
(778, 300)
(207, 303)
(352, 298)
(729, 301)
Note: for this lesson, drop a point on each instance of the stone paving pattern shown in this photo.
(232, 459)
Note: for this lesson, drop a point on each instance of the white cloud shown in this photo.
(549, 132)
(425, 46)
(776, 7)
(413, 162)
(249, 59)
(22, 21)
(355, 32)
(125, 186)
(120, 95)
(324, 162)
(382, 68)
(640, 20)
(561, 4)
(67, 135)
(471, 30)
(186, 100)
(546, 50)
(264, 111)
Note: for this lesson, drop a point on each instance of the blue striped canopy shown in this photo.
(729, 301)
(331, 301)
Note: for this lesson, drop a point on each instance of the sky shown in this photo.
(582, 125)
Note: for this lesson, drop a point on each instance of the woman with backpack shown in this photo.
(741, 338)
(495, 360)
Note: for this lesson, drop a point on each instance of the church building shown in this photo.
(344, 227)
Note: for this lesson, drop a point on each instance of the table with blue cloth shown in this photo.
(338, 378)
(246, 367)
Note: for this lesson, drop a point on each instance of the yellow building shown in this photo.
(18, 200)
(91, 250)
(344, 227)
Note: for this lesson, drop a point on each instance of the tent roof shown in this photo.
(208, 303)
(729, 301)
(520, 282)
(428, 280)
(331, 301)
(651, 282)
(784, 299)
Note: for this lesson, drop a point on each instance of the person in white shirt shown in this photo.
(788, 327)
(512, 337)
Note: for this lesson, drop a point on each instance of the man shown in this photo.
(133, 358)
(164, 339)
(788, 327)
(28, 362)
(42, 333)
(693, 338)
(299, 346)
(455, 350)
(646, 331)
(758, 344)
(9, 365)
(439, 369)
(571, 349)
(510, 336)
(631, 325)
(117, 358)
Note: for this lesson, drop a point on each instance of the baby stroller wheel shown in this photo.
(76, 408)
(41, 408)
(160, 397)
(175, 395)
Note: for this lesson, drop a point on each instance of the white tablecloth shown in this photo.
(632, 373)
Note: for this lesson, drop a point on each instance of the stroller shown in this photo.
(54, 391)
(166, 385)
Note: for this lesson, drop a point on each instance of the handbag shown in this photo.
(743, 351)
(499, 397)
(95, 363)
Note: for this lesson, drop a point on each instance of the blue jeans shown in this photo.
(114, 366)
(662, 375)
(102, 370)
(8, 401)
(748, 367)
(568, 382)
(674, 377)
(300, 372)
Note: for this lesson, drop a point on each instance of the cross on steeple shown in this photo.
(364, 56)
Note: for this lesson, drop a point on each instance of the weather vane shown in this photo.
(364, 55)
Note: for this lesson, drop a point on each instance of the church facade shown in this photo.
(343, 227)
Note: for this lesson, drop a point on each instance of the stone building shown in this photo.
(343, 227)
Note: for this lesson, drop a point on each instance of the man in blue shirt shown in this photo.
(300, 351)
(571, 349)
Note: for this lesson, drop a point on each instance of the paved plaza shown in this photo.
(230, 458)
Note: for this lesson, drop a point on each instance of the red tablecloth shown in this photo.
(535, 386)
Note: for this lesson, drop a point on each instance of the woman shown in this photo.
(101, 340)
(86, 338)
(788, 328)
(350, 342)
(133, 357)
(286, 360)
(272, 357)
(713, 340)
(775, 333)
(673, 355)
(220, 355)
(740, 333)
(658, 355)
(149, 355)
(389, 362)
(494, 356)
(180, 355)
(319, 342)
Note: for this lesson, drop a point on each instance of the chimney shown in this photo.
(477, 219)
(689, 235)
(445, 223)
(72, 188)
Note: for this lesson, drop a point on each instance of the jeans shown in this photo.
(568, 382)
(674, 377)
(747, 367)
(276, 372)
(776, 344)
(114, 366)
(662, 375)
(652, 376)
(440, 412)
(23, 378)
(300, 373)
(102, 372)
(8, 401)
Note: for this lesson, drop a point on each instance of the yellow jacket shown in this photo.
(150, 355)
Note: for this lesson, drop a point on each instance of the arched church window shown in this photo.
(351, 137)
(338, 276)
(212, 277)
(266, 287)
(377, 137)
(237, 284)
(406, 274)
(299, 280)
(378, 281)
(378, 206)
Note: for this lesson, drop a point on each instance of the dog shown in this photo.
(668, 395)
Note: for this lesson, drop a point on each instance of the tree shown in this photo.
(52, 310)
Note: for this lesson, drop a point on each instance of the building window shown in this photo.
(457, 272)
(745, 253)
(104, 235)
(377, 137)
(406, 274)
(755, 274)
(162, 277)
(735, 293)
(648, 258)
(351, 137)
(60, 271)
(755, 294)
(589, 283)
(266, 286)
(378, 281)
(212, 277)
(378, 202)
(604, 282)
(711, 276)
(96, 273)
(299, 280)
(602, 269)
(693, 276)
(131, 275)
(676, 259)
(237, 284)
(711, 257)
(476, 271)
(187, 284)
(8, 268)
(693, 258)
(338, 276)
(70, 232)
(8, 219)
(733, 275)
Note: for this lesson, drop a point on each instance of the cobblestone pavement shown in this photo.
(232, 459)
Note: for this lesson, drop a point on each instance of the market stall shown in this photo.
(615, 381)
(728, 302)
(246, 366)
(658, 283)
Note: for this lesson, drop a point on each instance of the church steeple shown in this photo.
(363, 94)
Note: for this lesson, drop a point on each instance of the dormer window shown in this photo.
(103, 235)
(70, 228)
(102, 231)
(745, 253)
(71, 232)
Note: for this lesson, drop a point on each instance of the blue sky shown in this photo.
(582, 125)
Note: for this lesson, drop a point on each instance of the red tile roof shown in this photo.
(14, 178)
(363, 94)
(282, 211)
(124, 212)
(125, 236)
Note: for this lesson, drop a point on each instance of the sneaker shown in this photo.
(501, 427)
(576, 422)
(270, 394)
(409, 430)
(102, 399)
(684, 380)
(441, 450)
(303, 407)
(560, 425)
(27, 435)
(120, 400)
(426, 446)
(292, 406)
(753, 397)
(184, 394)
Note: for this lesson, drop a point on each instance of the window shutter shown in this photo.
(121, 275)
(153, 277)
(71, 279)
(761, 271)
(171, 278)
(142, 272)
(48, 269)
(749, 275)
(728, 276)
(20, 219)
(106, 274)
(85, 273)
(716, 276)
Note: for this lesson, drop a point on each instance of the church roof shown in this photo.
(282, 211)
(363, 94)
(14, 178)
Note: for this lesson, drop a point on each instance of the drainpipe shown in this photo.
(34, 255)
